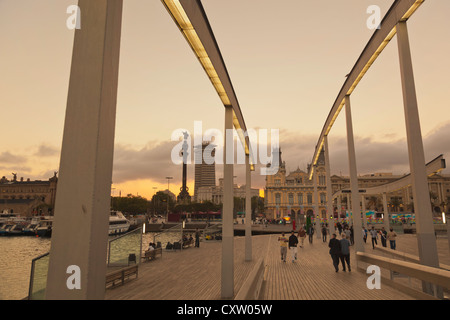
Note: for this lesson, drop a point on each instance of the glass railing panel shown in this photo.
(38, 278)
(125, 249)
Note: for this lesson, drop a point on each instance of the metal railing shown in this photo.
(170, 236)
(437, 277)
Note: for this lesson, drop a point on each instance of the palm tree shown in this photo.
(395, 202)
(374, 202)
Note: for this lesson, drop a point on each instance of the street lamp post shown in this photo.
(168, 195)
(153, 200)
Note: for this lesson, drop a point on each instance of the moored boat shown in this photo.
(118, 224)
(45, 227)
(4, 229)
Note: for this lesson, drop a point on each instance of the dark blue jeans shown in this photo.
(393, 244)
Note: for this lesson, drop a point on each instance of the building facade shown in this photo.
(205, 172)
(215, 194)
(27, 197)
(292, 194)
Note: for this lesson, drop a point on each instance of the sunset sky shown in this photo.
(287, 61)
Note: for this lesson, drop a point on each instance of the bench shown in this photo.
(151, 255)
(188, 243)
(118, 277)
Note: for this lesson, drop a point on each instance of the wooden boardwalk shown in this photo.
(194, 274)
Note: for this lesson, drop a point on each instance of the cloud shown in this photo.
(47, 151)
(153, 161)
(371, 155)
(9, 158)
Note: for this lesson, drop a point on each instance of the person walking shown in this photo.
(335, 251)
(302, 236)
(364, 230)
(310, 233)
(283, 246)
(347, 232)
(324, 233)
(345, 252)
(339, 226)
(352, 235)
(197, 238)
(293, 242)
(383, 236)
(374, 236)
(392, 236)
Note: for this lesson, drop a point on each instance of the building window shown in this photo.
(291, 198)
(277, 182)
(309, 198)
(277, 198)
(323, 198)
(322, 180)
(300, 198)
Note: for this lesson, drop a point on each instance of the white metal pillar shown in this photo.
(316, 205)
(356, 208)
(248, 210)
(80, 227)
(386, 213)
(421, 194)
(363, 201)
(339, 208)
(330, 211)
(227, 214)
(447, 218)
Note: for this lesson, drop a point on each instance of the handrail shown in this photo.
(436, 276)
(407, 257)
(251, 288)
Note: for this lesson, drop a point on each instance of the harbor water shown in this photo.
(17, 253)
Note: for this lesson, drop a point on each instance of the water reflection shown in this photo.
(16, 254)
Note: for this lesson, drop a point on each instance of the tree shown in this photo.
(158, 204)
(395, 203)
(374, 203)
(130, 204)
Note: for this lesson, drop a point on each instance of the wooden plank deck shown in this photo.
(194, 274)
(312, 277)
(190, 274)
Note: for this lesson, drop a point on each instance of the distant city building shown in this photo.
(27, 197)
(205, 172)
(291, 195)
(215, 193)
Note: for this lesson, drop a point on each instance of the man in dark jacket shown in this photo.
(335, 251)
(293, 241)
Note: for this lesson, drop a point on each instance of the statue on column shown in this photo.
(184, 196)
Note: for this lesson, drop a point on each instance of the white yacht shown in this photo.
(118, 223)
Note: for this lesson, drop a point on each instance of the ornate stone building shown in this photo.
(291, 194)
(27, 197)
